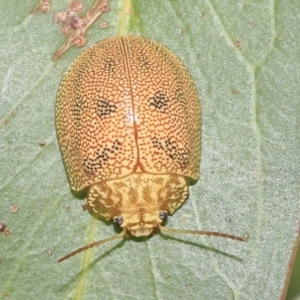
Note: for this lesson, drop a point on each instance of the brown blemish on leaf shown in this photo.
(13, 208)
(43, 6)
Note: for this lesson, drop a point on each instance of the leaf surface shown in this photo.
(244, 58)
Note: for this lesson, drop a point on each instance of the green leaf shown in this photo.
(244, 58)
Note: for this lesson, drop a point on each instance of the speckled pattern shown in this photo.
(128, 105)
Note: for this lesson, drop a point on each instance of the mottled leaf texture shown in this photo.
(244, 58)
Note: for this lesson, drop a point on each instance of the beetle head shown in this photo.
(141, 224)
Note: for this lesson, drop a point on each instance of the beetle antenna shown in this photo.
(118, 236)
(224, 235)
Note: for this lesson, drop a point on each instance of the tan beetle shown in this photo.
(128, 121)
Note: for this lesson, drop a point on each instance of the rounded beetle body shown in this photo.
(129, 126)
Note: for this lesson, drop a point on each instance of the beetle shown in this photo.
(128, 121)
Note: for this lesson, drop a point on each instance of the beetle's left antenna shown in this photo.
(118, 236)
(200, 232)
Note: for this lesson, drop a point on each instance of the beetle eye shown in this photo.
(118, 221)
(163, 215)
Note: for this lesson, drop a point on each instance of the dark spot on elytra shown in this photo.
(180, 156)
(109, 66)
(104, 108)
(92, 165)
(157, 143)
(78, 108)
(170, 148)
(179, 96)
(144, 63)
(159, 101)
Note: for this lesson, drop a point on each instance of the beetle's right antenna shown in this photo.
(118, 236)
